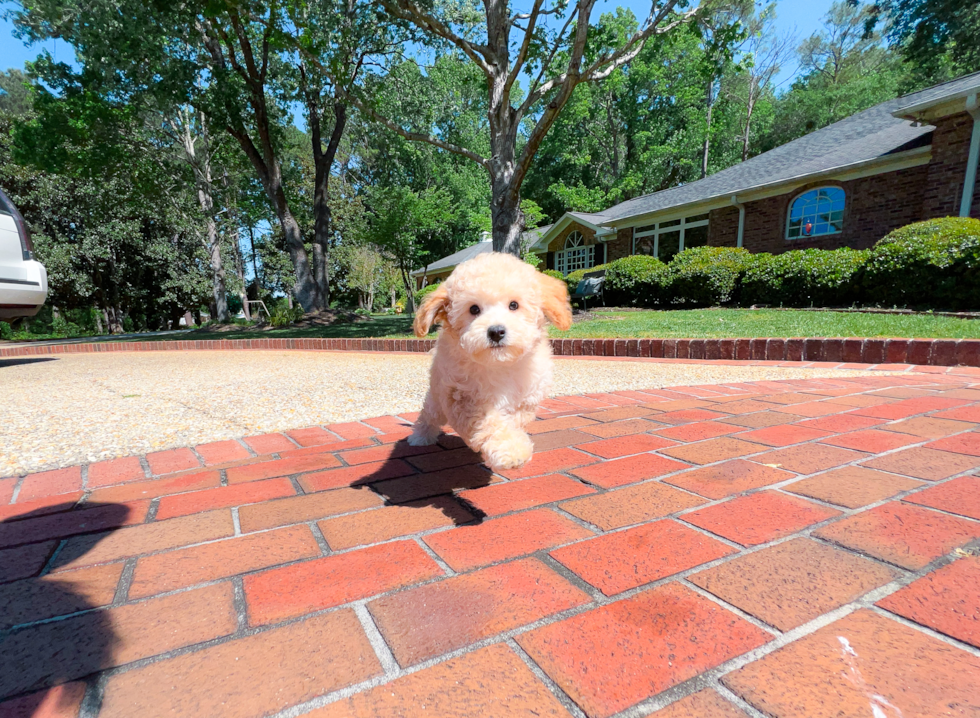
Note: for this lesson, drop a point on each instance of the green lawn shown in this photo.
(721, 323)
(691, 323)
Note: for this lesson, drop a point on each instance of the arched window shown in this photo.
(816, 212)
(575, 255)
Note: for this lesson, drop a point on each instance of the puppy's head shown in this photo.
(496, 307)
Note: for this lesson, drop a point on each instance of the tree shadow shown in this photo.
(411, 478)
(39, 647)
(18, 361)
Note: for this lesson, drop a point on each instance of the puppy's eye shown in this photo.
(474, 310)
(513, 306)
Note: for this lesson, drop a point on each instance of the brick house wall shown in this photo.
(874, 206)
(947, 171)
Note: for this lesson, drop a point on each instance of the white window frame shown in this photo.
(659, 229)
(796, 198)
(576, 254)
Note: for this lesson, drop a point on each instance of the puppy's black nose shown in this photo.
(496, 333)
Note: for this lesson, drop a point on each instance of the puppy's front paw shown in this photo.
(423, 439)
(508, 452)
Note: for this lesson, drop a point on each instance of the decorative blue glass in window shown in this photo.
(816, 212)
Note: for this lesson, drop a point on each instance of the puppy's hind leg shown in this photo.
(428, 426)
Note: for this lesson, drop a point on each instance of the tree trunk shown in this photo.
(748, 126)
(201, 166)
(322, 217)
(706, 149)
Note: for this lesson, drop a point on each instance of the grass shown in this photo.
(725, 323)
(689, 324)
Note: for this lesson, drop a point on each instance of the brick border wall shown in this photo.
(935, 352)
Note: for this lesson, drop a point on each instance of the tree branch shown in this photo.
(407, 10)
(532, 18)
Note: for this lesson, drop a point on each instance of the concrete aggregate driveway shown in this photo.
(81, 408)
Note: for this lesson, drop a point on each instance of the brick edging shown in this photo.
(935, 352)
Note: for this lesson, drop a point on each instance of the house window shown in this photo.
(575, 255)
(816, 212)
(665, 239)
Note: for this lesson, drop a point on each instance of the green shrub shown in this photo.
(707, 276)
(573, 278)
(553, 273)
(934, 264)
(804, 278)
(635, 281)
(6, 331)
(424, 292)
(283, 316)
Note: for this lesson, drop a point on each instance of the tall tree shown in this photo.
(938, 39)
(506, 44)
(843, 70)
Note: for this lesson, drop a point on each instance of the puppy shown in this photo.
(492, 364)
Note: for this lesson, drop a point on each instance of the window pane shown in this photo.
(695, 236)
(644, 246)
(817, 212)
(696, 218)
(645, 228)
(670, 244)
(671, 223)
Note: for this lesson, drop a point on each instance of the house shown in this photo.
(846, 185)
(440, 269)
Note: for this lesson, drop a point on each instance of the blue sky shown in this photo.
(801, 16)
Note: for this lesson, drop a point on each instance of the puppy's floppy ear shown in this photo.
(555, 303)
(433, 310)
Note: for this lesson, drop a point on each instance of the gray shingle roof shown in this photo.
(458, 258)
(858, 138)
(865, 136)
(960, 87)
(530, 237)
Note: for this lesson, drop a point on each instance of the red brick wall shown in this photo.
(620, 247)
(947, 171)
(874, 206)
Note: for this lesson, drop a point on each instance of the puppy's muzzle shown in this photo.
(496, 333)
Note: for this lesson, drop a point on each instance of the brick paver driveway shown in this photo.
(801, 548)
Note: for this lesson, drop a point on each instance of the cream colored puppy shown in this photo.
(492, 364)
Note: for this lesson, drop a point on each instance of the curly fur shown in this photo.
(487, 390)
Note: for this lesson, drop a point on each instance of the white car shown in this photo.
(23, 280)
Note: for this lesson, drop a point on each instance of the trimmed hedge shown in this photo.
(554, 273)
(935, 263)
(804, 278)
(637, 280)
(424, 292)
(708, 276)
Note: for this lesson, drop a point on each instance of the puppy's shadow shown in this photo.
(36, 651)
(431, 477)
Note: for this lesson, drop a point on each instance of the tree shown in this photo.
(844, 71)
(406, 225)
(938, 39)
(556, 61)
(14, 92)
(764, 55)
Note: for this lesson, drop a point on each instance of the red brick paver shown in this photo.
(655, 537)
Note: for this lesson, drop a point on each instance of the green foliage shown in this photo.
(804, 278)
(283, 316)
(707, 276)
(6, 331)
(553, 273)
(532, 259)
(425, 291)
(843, 71)
(638, 281)
(927, 264)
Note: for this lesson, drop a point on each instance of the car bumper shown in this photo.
(22, 290)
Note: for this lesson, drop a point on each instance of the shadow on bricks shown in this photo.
(420, 478)
(37, 653)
